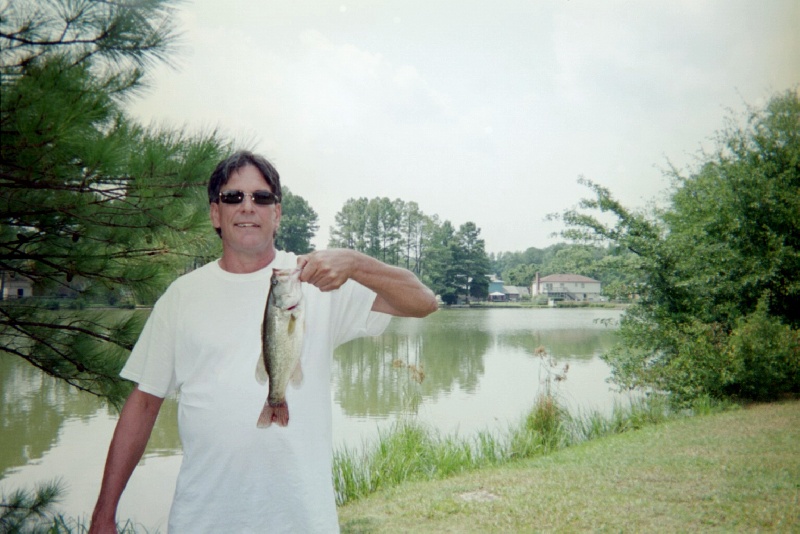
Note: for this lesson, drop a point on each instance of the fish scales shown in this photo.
(281, 344)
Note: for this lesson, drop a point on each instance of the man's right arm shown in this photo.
(127, 446)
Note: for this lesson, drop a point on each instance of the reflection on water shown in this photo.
(480, 371)
(452, 348)
(33, 407)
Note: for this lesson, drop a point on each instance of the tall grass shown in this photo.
(411, 451)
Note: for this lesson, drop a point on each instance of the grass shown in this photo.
(736, 471)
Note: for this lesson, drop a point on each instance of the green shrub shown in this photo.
(764, 355)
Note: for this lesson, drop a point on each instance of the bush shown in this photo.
(758, 360)
(765, 357)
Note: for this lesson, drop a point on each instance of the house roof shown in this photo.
(568, 278)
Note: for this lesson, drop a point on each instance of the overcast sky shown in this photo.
(478, 111)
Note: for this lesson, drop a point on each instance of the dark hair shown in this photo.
(233, 163)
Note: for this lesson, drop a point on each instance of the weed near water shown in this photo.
(410, 451)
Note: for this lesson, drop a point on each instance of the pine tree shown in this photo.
(94, 206)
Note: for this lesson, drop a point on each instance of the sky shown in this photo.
(478, 111)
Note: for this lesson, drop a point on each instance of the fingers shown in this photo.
(322, 269)
(302, 261)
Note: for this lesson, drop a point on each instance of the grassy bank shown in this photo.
(411, 451)
(733, 471)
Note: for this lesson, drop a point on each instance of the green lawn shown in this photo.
(737, 471)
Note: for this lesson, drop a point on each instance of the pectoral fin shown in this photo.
(297, 375)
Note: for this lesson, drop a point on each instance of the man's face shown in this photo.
(247, 228)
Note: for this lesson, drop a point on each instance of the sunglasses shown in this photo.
(262, 198)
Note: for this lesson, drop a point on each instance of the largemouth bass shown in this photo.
(281, 344)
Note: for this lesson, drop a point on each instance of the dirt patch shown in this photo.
(480, 495)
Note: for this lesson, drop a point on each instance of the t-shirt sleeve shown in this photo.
(152, 361)
(354, 317)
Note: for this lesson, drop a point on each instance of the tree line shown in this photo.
(452, 262)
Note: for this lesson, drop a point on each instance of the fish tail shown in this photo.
(278, 413)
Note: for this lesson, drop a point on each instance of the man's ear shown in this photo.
(214, 214)
(278, 213)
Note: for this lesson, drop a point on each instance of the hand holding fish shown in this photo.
(326, 269)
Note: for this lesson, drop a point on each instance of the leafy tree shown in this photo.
(351, 226)
(720, 307)
(521, 275)
(619, 271)
(576, 259)
(93, 204)
(298, 224)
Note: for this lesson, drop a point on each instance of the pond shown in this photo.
(461, 371)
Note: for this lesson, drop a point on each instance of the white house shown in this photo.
(15, 286)
(567, 287)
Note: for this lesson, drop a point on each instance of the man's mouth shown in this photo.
(247, 225)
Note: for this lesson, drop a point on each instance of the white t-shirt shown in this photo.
(203, 339)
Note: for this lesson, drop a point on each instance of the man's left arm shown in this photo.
(399, 291)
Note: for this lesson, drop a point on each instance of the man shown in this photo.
(203, 340)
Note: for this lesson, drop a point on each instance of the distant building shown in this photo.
(567, 287)
(500, 292)
(15, 286)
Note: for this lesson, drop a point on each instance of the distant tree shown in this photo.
(385, 217)
(298, 224)
(91, 201)
(576, 259)
(351, 226)
(412, 232)
(441, 270)
(719, 308)
(471, 262)
(521, 275)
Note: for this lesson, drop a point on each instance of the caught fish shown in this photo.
(281, 344)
